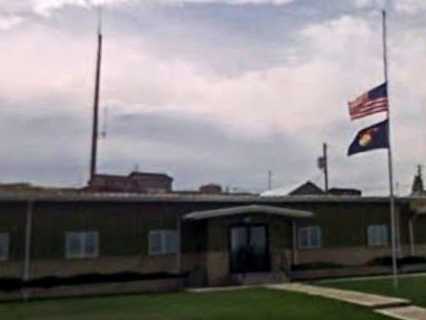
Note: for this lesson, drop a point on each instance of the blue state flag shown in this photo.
(370, 138)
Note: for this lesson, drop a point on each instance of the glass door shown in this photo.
(249, 249)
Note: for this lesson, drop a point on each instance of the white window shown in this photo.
(162, 242)
(4, 246)
(377, 235)
(81, 244)
(310, 237)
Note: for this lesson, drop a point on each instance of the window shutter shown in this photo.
(4, 246)
(73, 245)
(155, 243)
(91, 244)
(385, 236)
(171, 242)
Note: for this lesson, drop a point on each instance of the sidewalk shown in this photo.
(405, 313)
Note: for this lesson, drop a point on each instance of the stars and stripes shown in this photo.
(374, 101)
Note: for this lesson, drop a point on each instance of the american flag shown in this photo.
(374, 101)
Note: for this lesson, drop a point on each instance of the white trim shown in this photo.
(231, 211)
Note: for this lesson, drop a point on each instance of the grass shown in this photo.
(242, 304)
(412, 288)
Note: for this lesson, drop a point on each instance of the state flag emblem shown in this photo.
(370, 138)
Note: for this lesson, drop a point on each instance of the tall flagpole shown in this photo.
(390, 164)
(96, 101)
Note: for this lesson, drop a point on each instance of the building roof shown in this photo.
(307, 188)
(149, 174)
(82, 196)
(207, 214)
(132, 175)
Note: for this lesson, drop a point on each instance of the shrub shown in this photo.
(387, 261)
(316, 266)
(10, 284)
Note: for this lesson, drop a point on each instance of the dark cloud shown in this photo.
(196, 150)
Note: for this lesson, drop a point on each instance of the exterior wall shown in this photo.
(350, 256)
(344, 233)
(124, 227)
(123, 237)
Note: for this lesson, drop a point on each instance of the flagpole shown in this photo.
(390, 163)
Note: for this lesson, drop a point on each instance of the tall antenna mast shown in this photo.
(96, 100)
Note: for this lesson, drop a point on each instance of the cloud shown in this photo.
(209, 153)
(380, 4)
(174, 106)
(411, 6)
(15, 12)
(45, 7)
(9, 21)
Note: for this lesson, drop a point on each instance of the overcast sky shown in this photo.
(209, 90)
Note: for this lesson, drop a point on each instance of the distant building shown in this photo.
(25, 187)
(135, 182)
(20, 186)
(345, 192)
(308, 188)
(311, 189)
(211, 188)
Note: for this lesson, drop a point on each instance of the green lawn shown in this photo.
(258, 304)
(412, 288)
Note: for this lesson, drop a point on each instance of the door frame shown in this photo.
(247, 226)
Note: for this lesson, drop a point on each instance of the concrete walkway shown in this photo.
(362, 299)
(401, 276)
(218, 289)
(404, 313)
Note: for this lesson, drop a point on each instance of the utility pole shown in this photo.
(269, 180)
(323, 165)
(324, 151)
(96, 101)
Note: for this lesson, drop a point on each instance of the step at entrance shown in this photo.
(259, 278)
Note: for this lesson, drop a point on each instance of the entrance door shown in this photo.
(249, 249)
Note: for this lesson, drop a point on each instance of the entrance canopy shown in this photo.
(285, 212)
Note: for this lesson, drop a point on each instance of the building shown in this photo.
(418, 187)
(135, 182)
(309, 188)
(212, 239)
(211, 188)
(345, 192)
